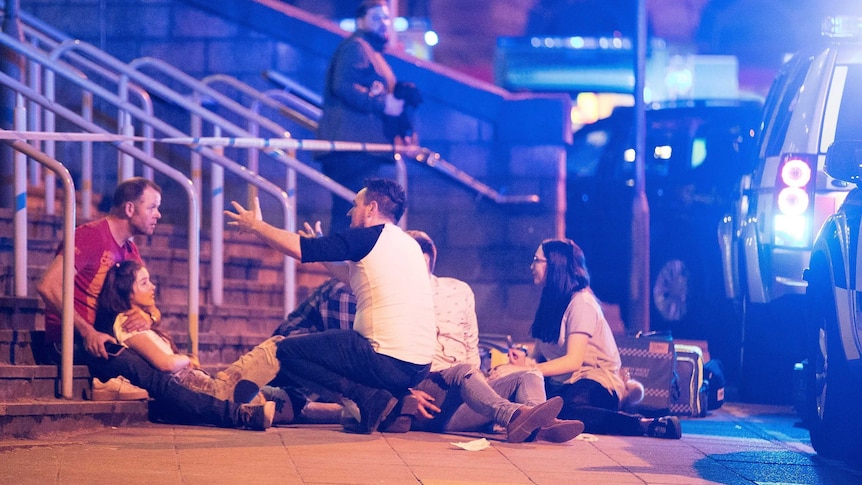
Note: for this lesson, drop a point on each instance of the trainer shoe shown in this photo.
(117, 389)
(528, 419)
(256, 417)
(667, 427)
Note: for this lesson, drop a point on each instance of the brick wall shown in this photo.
(512, 142)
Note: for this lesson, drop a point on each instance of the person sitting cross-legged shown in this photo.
(467, 402)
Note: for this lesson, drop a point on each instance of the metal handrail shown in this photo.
(55, 66)
(68, 288)
(50, 39)
(294, 87)
(46, 103)
(425, 156)
(227, 126)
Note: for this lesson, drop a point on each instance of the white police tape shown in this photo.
(55, 136)
(239, 142)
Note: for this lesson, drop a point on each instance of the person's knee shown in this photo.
(466, 372)
(532, 376)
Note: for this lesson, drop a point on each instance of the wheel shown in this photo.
(834, 422)
(686, 298)
(670, 291)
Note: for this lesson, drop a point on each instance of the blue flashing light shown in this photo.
(791, 231)
(400, 24)
(431, 38)
(842, 26)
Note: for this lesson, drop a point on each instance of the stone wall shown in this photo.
(511, 142)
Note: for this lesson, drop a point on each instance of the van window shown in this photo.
(849, 121)
(779, 105)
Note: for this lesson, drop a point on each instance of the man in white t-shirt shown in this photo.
(390, 348)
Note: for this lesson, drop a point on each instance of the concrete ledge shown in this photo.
(38, 418)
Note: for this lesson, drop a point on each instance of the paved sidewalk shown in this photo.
(738, 444)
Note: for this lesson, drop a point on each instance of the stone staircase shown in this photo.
(253, 292)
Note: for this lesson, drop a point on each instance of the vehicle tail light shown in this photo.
(793, 198)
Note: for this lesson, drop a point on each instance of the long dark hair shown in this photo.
(116, 294)
(116, 298)
(565, 275)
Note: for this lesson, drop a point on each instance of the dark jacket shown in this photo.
(350, 113)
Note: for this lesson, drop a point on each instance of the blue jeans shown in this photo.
(343, 362)
(176, 402)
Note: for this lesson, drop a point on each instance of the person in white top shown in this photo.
(390, 348)
(456, 395)
(576, 351)
(128, 287)
(128, 291)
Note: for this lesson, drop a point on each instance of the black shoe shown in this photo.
(257, 417)
(373, 410)
(400, 424)
(560, 431)
(528, 419)
(401, 418)
(667, 427)
(245, 391)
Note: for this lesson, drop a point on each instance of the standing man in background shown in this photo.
(356, 99)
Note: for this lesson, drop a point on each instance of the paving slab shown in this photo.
(738, 444)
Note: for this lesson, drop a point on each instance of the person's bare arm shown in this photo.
(576, 349)
(143, 344)
(50, 288)
(339, 269)
(283, 241)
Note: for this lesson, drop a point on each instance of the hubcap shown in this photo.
(670, 293)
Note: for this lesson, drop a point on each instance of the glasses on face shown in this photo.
(537, 259)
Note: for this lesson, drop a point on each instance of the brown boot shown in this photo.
(528, 419)
(242, 380)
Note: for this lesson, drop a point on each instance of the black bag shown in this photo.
(713, 373)
(650, 359)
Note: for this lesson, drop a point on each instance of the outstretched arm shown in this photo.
(283, 241)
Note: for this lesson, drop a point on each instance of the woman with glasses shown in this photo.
(575, 349)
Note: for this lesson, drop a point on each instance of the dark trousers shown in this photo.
(343, 362)
(349, 169)
(175, 402)
(588, 401)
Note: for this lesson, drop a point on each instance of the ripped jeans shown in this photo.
(468, 401)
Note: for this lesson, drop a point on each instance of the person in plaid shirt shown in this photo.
(331, 305)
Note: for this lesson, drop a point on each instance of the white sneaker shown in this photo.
(117, 389)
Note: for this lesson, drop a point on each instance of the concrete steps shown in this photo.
(29, 407)
(253, 292)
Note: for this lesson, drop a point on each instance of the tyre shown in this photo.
(671, 294)
(834, 422)
(686, 298)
